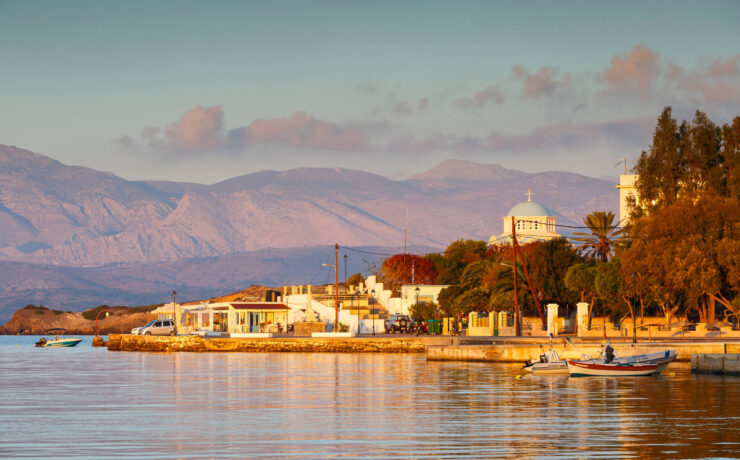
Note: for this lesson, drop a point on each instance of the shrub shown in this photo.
(93, 312)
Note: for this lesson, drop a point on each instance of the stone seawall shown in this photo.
(522, 352)
(194, 343)
(714, 363)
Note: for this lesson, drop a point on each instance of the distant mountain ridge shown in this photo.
(52, 213)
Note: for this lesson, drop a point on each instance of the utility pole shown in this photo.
(531, 287)
(174, 310)
(336, 287)
(514, 245)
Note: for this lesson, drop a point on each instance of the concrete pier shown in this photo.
(522, 352)
(716, 363)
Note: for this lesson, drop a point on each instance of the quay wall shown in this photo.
(195, 343)
(522, 352)
(436, 348)
(714, 363)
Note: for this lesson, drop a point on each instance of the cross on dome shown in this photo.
(529, 194)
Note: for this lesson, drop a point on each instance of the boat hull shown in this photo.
(587, 369)
(558, 367)
(62, 343)
(659, 357)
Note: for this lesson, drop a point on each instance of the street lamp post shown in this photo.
(345, 273)
(357, 311)
(174, 309)
(372, 309)
(107, 313)
(336, 286)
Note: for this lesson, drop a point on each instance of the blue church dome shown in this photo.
(529, 208)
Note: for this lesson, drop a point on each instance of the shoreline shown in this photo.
(436, 348)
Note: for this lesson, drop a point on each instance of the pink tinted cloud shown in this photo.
(540, 84)
(630, 133)
(573, 135)
(717, 82)
(491, 95)
(198, 130)
(303, 131)
(633, 73)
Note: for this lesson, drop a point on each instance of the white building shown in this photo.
(412, 293)
(533, 221)
(626, 188)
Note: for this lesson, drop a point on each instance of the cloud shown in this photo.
(543, 83)
(629, 133)
(303, 131)
(201, 130)
(491, 95)
(633, 73)
(717, 82)
(125, 141)
(403, 108)
(571, 135)
(198, 130)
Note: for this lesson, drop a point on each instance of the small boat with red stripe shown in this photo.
(590, 368)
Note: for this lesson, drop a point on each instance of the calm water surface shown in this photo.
(90, 403)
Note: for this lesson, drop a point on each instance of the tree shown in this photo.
(581, 278)
(599, 243)
(475, 299)
(731, 154)
(456, 257)
(688, 159)
(611, 289)
(478, 274)
(690, 248)
(403, 269)
(355, 280)
(423, 311)
(446, 299)
(548, 264)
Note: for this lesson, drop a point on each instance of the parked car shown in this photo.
(137, 330)
(399, 323)
(158, 327)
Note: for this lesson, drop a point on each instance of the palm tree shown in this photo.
(599, 244)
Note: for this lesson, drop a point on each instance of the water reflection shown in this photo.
(86, 402)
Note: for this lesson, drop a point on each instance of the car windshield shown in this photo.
(148, 324)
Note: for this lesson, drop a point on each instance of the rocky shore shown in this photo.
(36, 320)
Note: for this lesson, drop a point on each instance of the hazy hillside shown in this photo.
(77, 289)
(51, 213)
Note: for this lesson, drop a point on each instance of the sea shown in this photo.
(86, 402)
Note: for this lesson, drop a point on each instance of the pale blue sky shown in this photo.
(387, 87)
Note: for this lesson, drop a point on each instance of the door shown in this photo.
(254, 322)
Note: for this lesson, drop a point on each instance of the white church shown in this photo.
(534, 222)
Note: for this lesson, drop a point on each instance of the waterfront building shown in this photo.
(626, 189)
(533, 221)
(234, 317)
(413, 293)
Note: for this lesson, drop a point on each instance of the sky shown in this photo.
(204, 91)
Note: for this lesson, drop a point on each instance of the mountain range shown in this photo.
(58, 218)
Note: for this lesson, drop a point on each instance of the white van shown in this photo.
(157, 327)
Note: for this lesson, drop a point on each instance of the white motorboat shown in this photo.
(58, 341)
(549, 363)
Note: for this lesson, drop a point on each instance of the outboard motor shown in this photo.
(41, 342)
